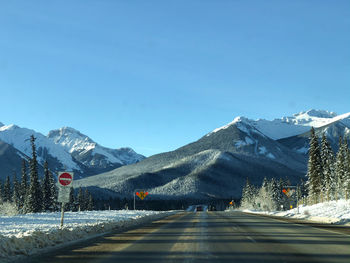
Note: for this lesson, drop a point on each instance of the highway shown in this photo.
(213, 237)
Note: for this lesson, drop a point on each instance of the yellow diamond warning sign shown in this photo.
(288, 192)
(142, 195)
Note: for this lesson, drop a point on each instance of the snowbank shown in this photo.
(335, 212)
(27, 234)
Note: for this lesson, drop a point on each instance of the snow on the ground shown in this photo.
(335, 212)
(27, 234)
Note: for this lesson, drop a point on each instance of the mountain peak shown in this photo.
(69, 132)
(9, 127)
(317, 113)
(89, 152)
(68, 129)
(288, 126)
(240, 119)
(237, 120)
(71, 139)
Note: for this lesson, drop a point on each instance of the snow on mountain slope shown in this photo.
(89, 152)
(241, 136)
(66, 148)
(75, 142)
(216, 165)
(314, 118)
(155, 178)
(290, 126)
(207, 174)
(20, 139)
(277, 129)
(299, 123)
(300, 143)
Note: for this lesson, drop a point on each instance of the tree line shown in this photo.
(327, 179)
(328, 176)
(269, 197)
(31, 195)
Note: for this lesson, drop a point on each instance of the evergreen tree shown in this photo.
(284, 199)
(125, 204)
(346, 170)
(72, 203)
(81, 201)
(48, 192)
(340, 171)
(33, 202)
(54, 191)
(298, 194)
(314, 172)
(265, 196)
(276, 194)
(327, 158)
(16, 191)
(86, 199)
(1, 193)
(7, 195)
(303, 190)
(90, 205)
(247, 201)
(24, 185)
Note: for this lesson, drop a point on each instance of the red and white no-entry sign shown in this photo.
(65, 178)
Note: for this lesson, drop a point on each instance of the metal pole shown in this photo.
(62, 214)
(296, 193)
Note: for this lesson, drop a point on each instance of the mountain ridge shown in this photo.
(217, 164)
(290, 126)
(214, 166)
(86, 162)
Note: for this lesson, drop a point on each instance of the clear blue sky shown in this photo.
(156, 75)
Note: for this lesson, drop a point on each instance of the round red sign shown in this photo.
(65, 179)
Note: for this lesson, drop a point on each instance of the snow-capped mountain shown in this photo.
(215, 166)
(218, 164)
(297, 124)
(333, 131)
(64, 149)
(90, 153)
(57, 157)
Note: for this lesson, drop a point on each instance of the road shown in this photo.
(213, 237)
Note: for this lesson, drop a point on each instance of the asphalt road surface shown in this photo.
(213, 237)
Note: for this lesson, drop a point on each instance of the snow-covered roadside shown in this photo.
(334, 212)
(32, 233)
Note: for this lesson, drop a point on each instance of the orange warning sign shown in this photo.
(288, 192)
(142, 195)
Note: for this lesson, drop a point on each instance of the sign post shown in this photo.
(65, 184)
(291, 189)
(141, 194)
